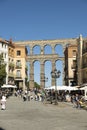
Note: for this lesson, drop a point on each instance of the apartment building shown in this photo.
(70, 65)
(11, 65)
(20, 71)
(4, 52)
(82, 61)
(15, 59)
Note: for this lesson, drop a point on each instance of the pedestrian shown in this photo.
(28, 95)
(73, 100)
(24, 97)
(77, 101)
(3, 102)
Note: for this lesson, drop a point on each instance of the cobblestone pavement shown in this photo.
(35, 115)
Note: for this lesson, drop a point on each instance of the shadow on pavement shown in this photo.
(1, 128)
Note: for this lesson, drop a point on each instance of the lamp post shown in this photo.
(55, 74)
(44, 79)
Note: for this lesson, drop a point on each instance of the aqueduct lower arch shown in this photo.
(43, 57)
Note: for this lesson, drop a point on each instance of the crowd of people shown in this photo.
(43, 95)
(31, 94)
(49, 96)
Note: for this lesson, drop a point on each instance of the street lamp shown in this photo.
(55, 74)
(44, 79)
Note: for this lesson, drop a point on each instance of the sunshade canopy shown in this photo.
(8, 86)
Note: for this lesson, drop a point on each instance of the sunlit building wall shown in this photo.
(11, 65)
(70, 65)
(20, 66)
(84, 62)
(4, 52)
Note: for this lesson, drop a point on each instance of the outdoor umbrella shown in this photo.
(8, 86)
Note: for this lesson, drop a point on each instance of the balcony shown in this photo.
(18, 66)
(11, 65)
(73, 66)
(18, 76)
(10, 74)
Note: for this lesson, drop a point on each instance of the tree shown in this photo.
(36, 85)
(2, 70)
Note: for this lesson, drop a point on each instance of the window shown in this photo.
(18, 73)
(18, 63)
(74, 52)
(18, 53)
(74, 62)
(9, 59)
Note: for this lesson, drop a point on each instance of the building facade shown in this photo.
(20, 71)
(4, 52)
(15, 59)
(75, 60)
(82, 61)
(11, 65)
(70, 65)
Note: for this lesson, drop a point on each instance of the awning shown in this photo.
(8, 86)
(69, 88)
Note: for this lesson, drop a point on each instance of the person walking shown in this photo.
(3, 102)
(28, 95)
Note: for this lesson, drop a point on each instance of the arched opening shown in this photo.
(59, 66)
(37, 72)
(48, 68)
(47, 49)
(36, 50)
(59, 50)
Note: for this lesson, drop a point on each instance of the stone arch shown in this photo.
(36, 49)
(60, 67)
(59, 49)
(36, 64)
(47, 49)
(47, 70)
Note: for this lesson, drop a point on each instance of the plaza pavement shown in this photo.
(35, 115)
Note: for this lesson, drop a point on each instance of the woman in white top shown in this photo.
(3, 103)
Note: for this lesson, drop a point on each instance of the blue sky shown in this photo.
(42, 19)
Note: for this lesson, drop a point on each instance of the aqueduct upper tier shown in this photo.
(52, 43)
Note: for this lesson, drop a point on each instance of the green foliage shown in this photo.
(2, 71)
(27, 82)
(36, 85)
(11, 65)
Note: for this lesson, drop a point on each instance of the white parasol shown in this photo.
(63, 88)
(8, 86)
